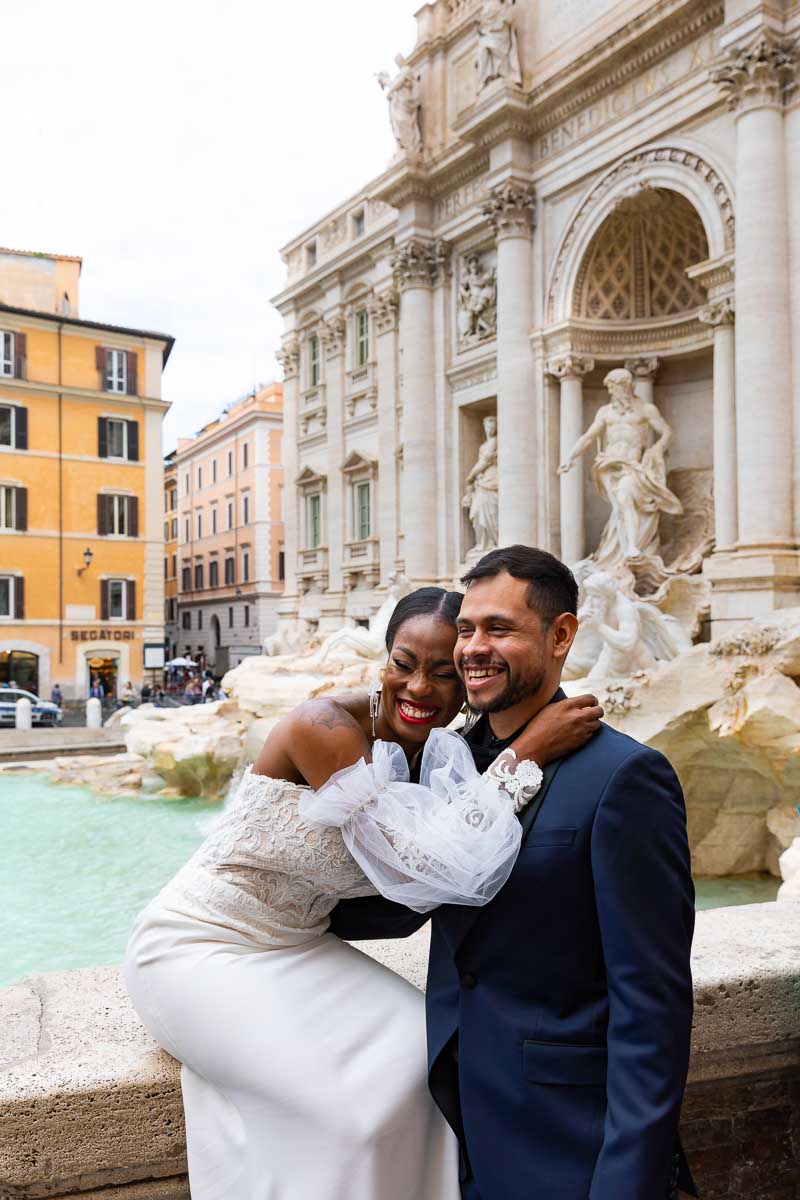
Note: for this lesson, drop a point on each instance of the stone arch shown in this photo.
(670, 168)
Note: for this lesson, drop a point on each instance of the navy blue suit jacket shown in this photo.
(569, 996)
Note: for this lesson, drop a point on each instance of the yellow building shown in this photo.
(230, 531)
(81, 500)
(170, 555)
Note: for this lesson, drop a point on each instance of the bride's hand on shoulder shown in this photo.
(559, 729)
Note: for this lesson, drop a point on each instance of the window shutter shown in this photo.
(102, 515)
(102, 437)
(22, 508)
(131, 372)
(21, 428)
(133, 441)
(131, 593)
(133, 517)
(101, 362)
(20, 354)
(103, 599)
(19, 597)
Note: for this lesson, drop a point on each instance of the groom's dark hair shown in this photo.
(552, 589)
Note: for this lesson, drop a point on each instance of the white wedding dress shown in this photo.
(304, 1061)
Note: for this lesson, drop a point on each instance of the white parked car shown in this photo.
(44, 712)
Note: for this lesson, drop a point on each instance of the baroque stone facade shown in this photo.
(599, 187)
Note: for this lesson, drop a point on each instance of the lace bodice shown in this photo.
(264, 872)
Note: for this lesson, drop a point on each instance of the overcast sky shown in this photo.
(175, 145)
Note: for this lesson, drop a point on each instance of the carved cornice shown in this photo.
(643, 368)
(511, 209)
(332, 334)
(289, 358)
(633, 165)
(383, 310)
(420, 264)
(760, 73)
(721, 312)
(569, 366)
(604, 340)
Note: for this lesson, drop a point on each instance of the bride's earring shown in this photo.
(471, 718)
(374, 705)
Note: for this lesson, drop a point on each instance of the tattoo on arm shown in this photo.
(329, 714)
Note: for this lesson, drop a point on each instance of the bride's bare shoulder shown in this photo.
(315, 739)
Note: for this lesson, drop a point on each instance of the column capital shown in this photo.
(383, 310)
(721, 312)
(419, 263)
(332, 333)
(758, 73)
(643, 368)
(511, 209)
(289, 357)
(569, 366)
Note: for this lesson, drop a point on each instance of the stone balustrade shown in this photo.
(90, 1107)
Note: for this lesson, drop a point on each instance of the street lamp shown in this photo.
(87, 558)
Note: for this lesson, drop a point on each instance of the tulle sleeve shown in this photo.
(452, 839)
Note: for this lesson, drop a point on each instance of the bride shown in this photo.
(303, 1060)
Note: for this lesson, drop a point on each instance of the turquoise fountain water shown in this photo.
(77, 867)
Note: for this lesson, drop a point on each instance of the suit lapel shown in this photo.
(460, 917)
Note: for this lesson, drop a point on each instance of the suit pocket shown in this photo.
(549, 838)
(565, 1064)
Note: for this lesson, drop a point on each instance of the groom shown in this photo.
(559, 1015)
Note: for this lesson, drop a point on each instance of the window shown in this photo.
(7, 354)
(117, 595)
(247, 614)
(173, 609)
(118, 515)
(245, 454)
(186, 534)
(186, 620)
(245, 509)
(313, 360)
(230, 463)
(174, 529)
(199, 618)
(281, 565)
(186, 484)
(213, 573)
(199, 478)
(230, 514)
(13, 507)
(362, 511)
(174, 566)
(117, 438)
(311, 255)
(213, 470)
(166, 569)
(198, 577)
(362, 337)
(166, 531)
(230, 618)
(246, 567)
(199, 525)
(359, 224)
(116, 371)
(13, 427)
(229, 571)
(7, 598)
(186, 579)
(173, 497)
(314, 520)
(213, 519)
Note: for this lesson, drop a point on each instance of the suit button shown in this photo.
(469, 981)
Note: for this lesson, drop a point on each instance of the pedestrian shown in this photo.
(147, 692)
(55, 695)
(97, 691)
(128, 694)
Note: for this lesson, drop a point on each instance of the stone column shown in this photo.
(510, 209)
(792, 131)
(332, 334)
(754, 77)
(644, 371)
(569, 370)
(383, 314)
(416, 267)
(719, 314)
(289, 358)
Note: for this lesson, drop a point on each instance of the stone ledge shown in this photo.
(91, 1107)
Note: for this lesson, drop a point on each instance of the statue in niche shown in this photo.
(403, 97)
(480, 498)
(477, 301)
(629, 473)
(498, 47)
(620, 634)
